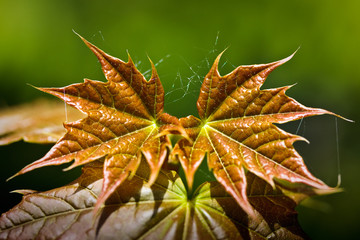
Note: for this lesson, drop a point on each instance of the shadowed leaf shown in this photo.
(38, 122)
(236, 131)
(162, 211)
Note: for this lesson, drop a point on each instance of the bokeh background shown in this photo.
(38, 47)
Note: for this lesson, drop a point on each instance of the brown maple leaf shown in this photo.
(237, 133)
(125, 121)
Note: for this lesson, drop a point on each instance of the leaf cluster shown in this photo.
(260, 176)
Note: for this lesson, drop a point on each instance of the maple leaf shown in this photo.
(125, 121)
(162, 211)
(237, 133)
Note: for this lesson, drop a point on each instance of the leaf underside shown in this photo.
(162, 211)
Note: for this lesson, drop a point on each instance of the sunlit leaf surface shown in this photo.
(237, 133)
(125, 121)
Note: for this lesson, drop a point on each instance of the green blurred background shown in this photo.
(38, 47)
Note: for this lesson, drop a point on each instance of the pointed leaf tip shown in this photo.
(291, 56)
(24, 191)
(343, 118)
(90, 45)
(13, 176)
(154, 74)
(130, 61)
(284, 60)
(215, 66)
(82, 38)
(77, 33)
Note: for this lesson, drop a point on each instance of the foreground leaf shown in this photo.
(162, 211)
(236, 130)
(125, 121)
(38, 122)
